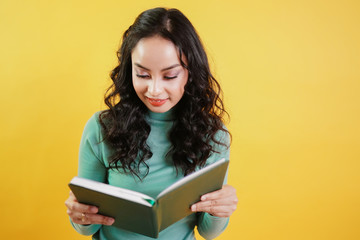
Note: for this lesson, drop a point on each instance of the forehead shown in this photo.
(155, 52)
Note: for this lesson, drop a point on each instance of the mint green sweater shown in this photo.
(93, 165)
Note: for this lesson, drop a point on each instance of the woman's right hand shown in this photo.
(85, 214)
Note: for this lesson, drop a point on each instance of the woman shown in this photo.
(163, 122)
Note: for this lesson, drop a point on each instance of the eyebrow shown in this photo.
(167, 68)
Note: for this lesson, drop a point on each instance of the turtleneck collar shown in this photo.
(166, 116)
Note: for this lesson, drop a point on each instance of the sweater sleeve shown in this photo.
(91, 164)
(209, 226)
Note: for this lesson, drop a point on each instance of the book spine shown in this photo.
(157, 217)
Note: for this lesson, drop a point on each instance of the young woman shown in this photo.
(164, 122)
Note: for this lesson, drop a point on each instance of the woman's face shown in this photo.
(157, 74)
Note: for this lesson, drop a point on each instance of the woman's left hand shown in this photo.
(220, 203)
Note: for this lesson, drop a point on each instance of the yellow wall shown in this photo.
(290, 74)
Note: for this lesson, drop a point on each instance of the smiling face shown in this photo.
(157, 74)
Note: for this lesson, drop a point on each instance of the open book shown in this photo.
(137, 212)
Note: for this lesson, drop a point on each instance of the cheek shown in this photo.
(139, 86)
(182, 85)
(178, 88)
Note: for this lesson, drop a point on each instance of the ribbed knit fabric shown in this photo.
(93, 165)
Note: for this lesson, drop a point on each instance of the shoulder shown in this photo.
(94, 119)
(221, 146)
(223, 136)
(92, 127)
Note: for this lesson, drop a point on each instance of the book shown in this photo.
(140, 213)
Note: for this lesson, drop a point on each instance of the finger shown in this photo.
(225, 201)
(71, 195)
(216, 210)
(90, 218)
(74, 206)
(83, 208)
(209, 203)
(207, 206)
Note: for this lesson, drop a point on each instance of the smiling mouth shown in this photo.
(156, 102)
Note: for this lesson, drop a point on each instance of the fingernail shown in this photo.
(203, 198)
(94, 209)
(110, 221)
(193, 208)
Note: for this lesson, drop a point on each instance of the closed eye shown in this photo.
(168, 78)
(142, 76)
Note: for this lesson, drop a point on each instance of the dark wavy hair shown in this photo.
(199, 113)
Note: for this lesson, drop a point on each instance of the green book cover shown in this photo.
(137, 212)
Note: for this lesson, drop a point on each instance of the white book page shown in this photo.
(113, 191)
(189, 177)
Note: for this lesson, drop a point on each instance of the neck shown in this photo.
(169, 115)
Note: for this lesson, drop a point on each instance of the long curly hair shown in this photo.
(199, 114)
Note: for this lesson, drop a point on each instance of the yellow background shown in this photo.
(291, 78)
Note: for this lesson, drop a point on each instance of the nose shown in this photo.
(155, 88)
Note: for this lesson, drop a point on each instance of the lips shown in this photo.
(156, 102)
